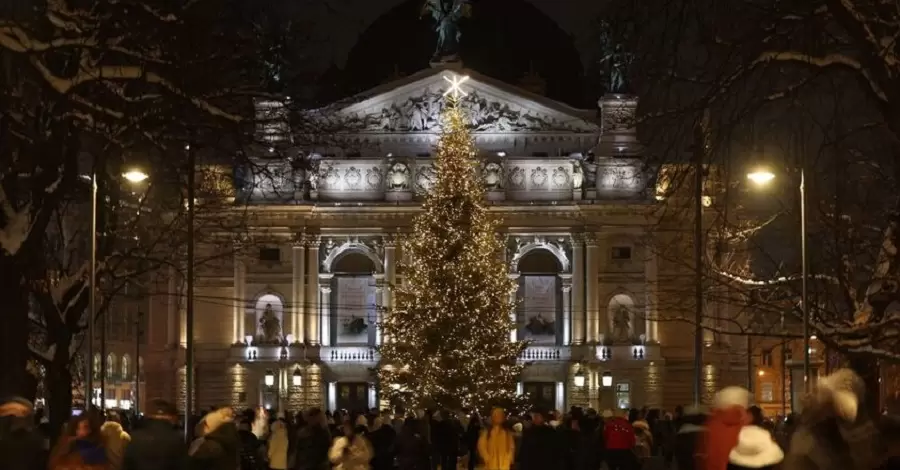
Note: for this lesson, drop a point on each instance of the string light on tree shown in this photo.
(450, 328)
(455, 91)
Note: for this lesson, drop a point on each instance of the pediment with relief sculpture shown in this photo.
(413, 105)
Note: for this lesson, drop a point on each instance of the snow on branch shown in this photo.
(827, 60)
(17, 227)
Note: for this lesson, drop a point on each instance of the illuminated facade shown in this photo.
(291, 319)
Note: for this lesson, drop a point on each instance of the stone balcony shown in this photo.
(626, 352)
(545, 354)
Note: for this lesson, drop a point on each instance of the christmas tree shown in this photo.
(448, 338)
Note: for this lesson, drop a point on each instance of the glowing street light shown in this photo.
(135, 176)
(579, 379)
(297, 378)
(761, 177)
(270, 378)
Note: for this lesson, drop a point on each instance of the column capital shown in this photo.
(566, 279)
(299, 239)
(590, 238)
(514, 276)
(325, 289)
(313, 241)
(390, 240)
(566, 288)
(325, 278)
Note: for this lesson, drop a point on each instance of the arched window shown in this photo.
(126, 367)
(97, 365)
(110, 365)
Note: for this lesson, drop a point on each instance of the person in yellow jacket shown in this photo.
(495, 445)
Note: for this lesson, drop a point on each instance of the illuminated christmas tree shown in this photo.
(448, 338)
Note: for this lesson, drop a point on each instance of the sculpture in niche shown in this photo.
(540, 326)
(577, 174)
(446, 15)
(560, 177)
(539, 177)
(493, 175)
(422, 114)
(355, 325)
(622, 323)
(398, 177)
(269, 325)
(374, 178)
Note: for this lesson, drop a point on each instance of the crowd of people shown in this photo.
(834, 432)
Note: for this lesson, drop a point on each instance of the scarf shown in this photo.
(91, 454)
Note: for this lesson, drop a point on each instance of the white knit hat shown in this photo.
(732, 396)
(755, 449)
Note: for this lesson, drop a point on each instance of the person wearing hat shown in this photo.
(729, 415)
(540, 445)
(156, 445)
(21, 444)
(755, 450)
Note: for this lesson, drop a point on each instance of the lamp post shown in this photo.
(132, 176)
(763, 177)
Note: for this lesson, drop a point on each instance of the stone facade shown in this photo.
(301, 295)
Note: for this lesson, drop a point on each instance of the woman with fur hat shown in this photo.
(755, 450)
(729, 415)
(834, 432)
(218, 447)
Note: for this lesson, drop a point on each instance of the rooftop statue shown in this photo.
(446, 15)
(616, 58)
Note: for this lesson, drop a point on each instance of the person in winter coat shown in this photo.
(755, 450)
(688, 437)
(540, 445)
(81, 446)
(643, 440)
(351, 451)
(411, 447)
(445, 432)
(277, 451)
(495, 445)
(157, 445)
(470, 440)
(728, 416)
(115, 440)
(312, 443)
(382, 437)
(251, 448)
(620, 439)
(834, 430)
(218, 448)
(21, 443)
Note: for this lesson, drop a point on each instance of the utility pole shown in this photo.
(189, 314)
(137, 358)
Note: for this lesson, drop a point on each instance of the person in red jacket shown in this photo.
(728, 416)
(619, 440)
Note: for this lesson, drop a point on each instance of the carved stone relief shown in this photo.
(398, 177)
(333, 247)
(425, 176)
(520, 246)
(422, 114)
(492, 172)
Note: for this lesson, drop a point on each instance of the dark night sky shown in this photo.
(340, 26)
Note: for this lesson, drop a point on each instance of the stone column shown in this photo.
(298, 294)
(390, 278)
(514, 334)
(325, 308)
(311, 303)
(592, 304)
(652, 293)
(578, 317)
(240, 300)
(379, 307)
(566, 308)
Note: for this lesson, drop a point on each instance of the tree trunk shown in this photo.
(13, 331)
(869, 370)
(58, 386)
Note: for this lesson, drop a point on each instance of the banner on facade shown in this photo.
(354, 310)
(539, 308)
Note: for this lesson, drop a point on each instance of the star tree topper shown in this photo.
(455, 91)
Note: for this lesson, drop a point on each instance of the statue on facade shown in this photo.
(398, 177)
(270, 325)
(621, 324)
(616, 58)
(446, 15)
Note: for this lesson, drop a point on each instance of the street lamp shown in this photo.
(270, 378)
(579, 378)
(297, 379)
(762, 177)
(607, 379)
(132, 176)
